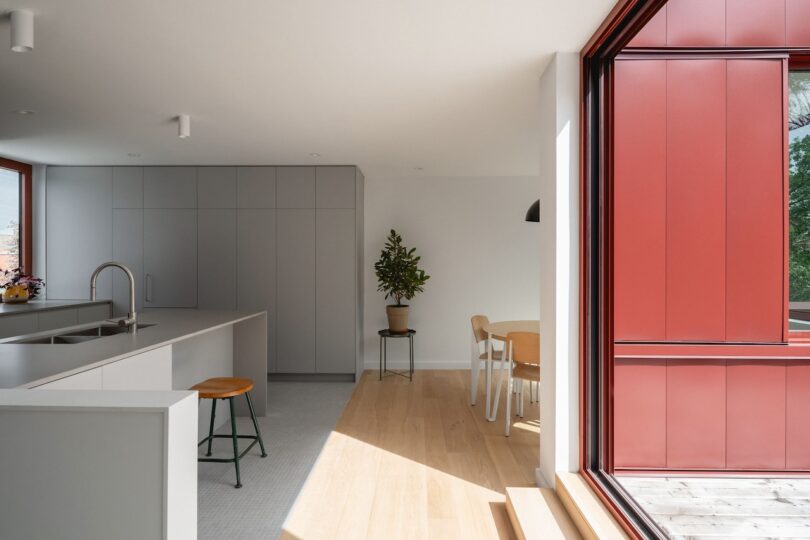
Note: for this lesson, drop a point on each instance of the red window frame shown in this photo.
(26, 175)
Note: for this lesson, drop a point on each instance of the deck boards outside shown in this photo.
(696, 508)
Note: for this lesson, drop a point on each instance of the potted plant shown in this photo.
(19, 287)
(399, 276)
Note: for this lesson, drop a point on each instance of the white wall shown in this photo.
(480, 253)
(559, 302)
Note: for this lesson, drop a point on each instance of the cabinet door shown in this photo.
(170, 258)
(334, 187)
(256, 269)
(217, 259)
(127, 187)
(295, 328)
(86, 380)
(335, 292)
(170, 187)
(256, 187)
(295, 187)
(128, 250)
(79, 231)
(148, 371)
(216, 187)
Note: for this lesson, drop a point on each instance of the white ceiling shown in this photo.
(391, 85)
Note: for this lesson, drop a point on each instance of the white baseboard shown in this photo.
(421, 364)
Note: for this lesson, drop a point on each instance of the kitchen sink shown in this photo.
(104, 330)
(79, 336)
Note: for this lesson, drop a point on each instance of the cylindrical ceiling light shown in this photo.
(22, 30)
(184, 126)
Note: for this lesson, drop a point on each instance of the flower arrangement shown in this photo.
(18, 280)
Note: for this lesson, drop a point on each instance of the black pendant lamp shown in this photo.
(533, 213)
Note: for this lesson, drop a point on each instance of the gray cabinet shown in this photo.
(256, 269)
(78, 229)
(127, 187)
(334, 187)
(295, 187)
(170, 258)
(170, 187)
(216, 232)
(335, 292)
(128, 250)
(216, 187)
(295, 313)
(256, 187)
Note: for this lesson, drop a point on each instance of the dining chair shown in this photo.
(479, 338)
(523, 355)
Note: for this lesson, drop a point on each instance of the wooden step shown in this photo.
(537, 513)
(584, 507)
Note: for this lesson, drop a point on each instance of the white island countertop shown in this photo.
(33, 306)
(29, 365)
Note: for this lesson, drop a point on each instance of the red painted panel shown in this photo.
(797, 22)
(798, 419)
(755, 201)
(654, 33)
(696, 200)
(639, 414)
(756, 414)
(640, 199)
(696, 23)
(696, 414)
(755, 23)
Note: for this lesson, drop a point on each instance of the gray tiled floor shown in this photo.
(300, 418)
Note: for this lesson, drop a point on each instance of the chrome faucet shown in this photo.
(132, 318)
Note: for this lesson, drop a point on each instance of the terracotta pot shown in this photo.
(397, 319)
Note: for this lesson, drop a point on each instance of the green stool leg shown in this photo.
(255, 423)
(211, 428)
(235, 444)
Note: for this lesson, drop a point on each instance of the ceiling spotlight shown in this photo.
(314, 154)
(418, 168)
(184, 126)
(134, 154)
(22, 30)
(24, 112)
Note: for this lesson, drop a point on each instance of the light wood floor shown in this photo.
(415, 460)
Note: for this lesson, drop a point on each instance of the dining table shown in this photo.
(496, 331)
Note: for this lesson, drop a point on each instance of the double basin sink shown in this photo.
(79, 336)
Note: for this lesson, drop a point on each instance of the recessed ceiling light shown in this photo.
(24, 112)
(418, 168)
(134, 154)
(314, 154)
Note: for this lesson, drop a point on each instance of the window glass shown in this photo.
(9, 219)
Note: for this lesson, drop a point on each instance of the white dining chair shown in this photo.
(479, 344)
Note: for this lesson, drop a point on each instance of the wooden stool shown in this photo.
(228, 388)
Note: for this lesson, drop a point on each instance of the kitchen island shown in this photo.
(112, 414)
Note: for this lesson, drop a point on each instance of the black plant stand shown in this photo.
(384, 335)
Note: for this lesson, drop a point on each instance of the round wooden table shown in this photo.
(497, 331)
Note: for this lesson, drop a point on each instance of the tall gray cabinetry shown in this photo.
(287, 240)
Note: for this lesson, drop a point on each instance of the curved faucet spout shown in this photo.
(132, 316)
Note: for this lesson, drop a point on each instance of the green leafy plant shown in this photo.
(398, 270)
(800, 219)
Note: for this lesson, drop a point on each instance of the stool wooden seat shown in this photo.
(229, 388)
(223, 387)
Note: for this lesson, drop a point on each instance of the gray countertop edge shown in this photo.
(149, 316)
(36, 306)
